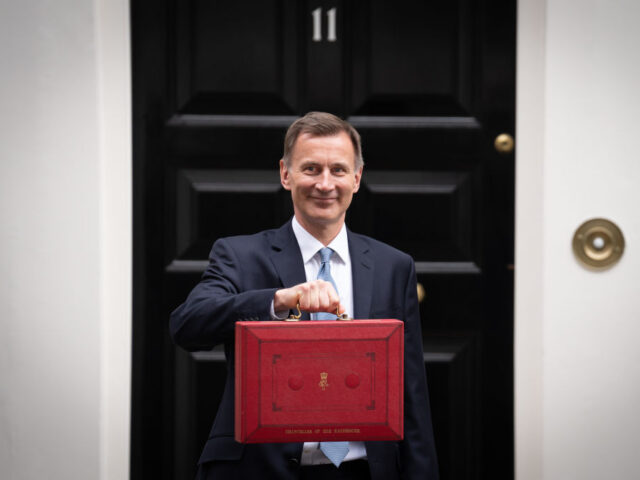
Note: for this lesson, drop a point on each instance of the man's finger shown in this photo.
(327, 301)
(313, 297)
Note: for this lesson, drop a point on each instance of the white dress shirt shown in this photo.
(340, 264)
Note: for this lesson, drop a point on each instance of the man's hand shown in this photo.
(314, 296)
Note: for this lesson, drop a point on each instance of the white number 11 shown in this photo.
(317, 25)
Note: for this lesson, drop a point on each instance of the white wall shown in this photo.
(577, 356)
(65, 176)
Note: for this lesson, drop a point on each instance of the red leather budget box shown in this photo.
(319, 381)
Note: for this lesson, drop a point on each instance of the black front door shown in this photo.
(429, 85)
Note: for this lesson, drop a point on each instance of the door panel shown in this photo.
(413, 58)
(236, 57)
(213, 204)
(428, 85)
(422, 212)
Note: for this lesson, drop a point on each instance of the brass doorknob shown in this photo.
(504, 143)
(421, 293)
(598, 243)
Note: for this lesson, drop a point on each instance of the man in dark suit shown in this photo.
(263, 276)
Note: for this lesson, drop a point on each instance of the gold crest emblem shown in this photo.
(323, 380)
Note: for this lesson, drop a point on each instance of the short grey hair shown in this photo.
(321, 124)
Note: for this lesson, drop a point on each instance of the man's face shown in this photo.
(322, 179)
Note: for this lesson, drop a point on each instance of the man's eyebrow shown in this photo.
(340, 163)
(306, 163)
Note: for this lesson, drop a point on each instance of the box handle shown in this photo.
(296, 318)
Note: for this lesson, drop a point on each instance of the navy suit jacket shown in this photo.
(239, 284)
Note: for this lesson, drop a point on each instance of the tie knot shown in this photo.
(325, 254)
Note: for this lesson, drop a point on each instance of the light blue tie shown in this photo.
(334, 451)
(325, 274)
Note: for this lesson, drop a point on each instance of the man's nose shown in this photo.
(325, 182)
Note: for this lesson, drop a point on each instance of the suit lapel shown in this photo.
(362, 271)
(287, 259)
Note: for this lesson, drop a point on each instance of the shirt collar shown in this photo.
(309, 245)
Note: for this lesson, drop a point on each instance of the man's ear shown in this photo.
(358, 176)
(284, 175)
